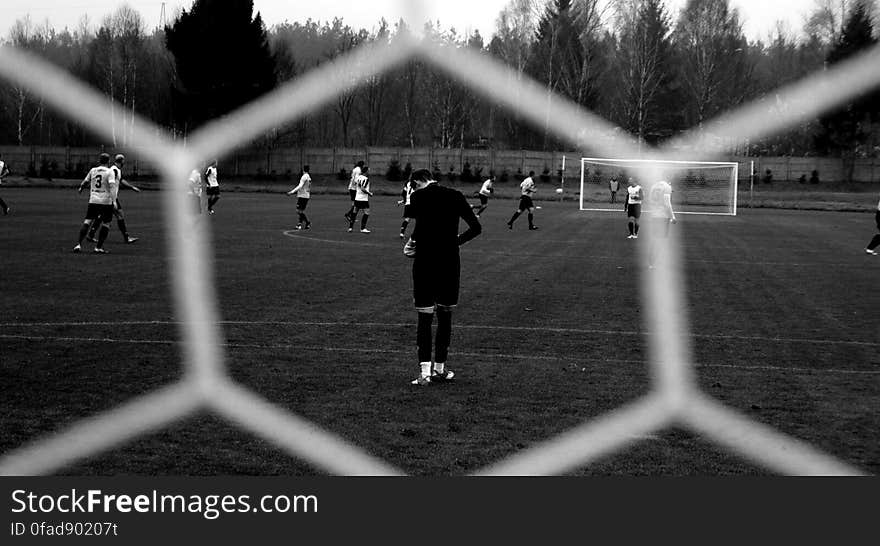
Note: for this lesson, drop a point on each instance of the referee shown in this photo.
(436, 268)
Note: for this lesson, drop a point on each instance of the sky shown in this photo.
(760, 16)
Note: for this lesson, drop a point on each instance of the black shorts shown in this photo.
(484, 199)
(302, 203)
(352, 194)
(525, 203)
(407, 211)
(435, 281)
(104, 213)
(361, 205)
(634, 211)
(213, 190)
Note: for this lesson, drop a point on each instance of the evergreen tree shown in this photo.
(222, 59)
(644, 74)
(848, 128)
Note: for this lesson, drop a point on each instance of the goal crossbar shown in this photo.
(694, 192)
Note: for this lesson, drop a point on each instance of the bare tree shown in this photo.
(714, 68)
(513, 42)
(345, 41)
(825, 22)
(25, 35)
(643, 62)
(374, 108)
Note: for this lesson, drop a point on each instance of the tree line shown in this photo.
(652, 72)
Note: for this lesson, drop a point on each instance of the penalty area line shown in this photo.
(536, 329)
(492, 356)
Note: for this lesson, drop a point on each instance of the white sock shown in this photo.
(439, 367)
(426, 369)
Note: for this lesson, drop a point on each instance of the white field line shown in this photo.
(535, 329)
(490, 356)
(526, 96)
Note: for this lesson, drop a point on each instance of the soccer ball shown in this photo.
(559, 190)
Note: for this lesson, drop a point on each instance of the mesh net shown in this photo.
(673, 401)
(698, 187)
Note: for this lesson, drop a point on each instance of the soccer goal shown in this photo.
(698, 187)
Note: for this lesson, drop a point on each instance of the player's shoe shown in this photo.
(365, 230)
(210, 211)
(442, 377)
(299, 227)
(635, 236)
(100, 251)
(421, 381)
(871, 252)
(131, 240)
(350, 230)
(533, 228)
(308, 225)
(630, 236)
(77, 249)
(477, 215)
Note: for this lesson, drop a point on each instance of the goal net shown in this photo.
(698, 187)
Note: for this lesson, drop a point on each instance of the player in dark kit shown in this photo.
(875, 241)
(436, 268)
(4, 170)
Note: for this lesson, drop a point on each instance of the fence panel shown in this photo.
(75, 162)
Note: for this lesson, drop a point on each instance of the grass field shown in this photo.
(550, 333)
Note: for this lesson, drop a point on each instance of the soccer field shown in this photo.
(549, 334)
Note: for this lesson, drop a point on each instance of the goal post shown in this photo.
(698, 187)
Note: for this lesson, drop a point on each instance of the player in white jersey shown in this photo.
(633, 207)
(194, 189)
(103, 191)
(875, 242)
(361, 201)
(406, 195)
(118, 164)
(662, 216)
(303, 194)
(485, 192)
(213, 186)
(4, 171)
(352, 189)
(527, 189)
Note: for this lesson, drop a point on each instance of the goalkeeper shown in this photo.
(436, 268)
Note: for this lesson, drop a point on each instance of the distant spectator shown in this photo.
(814, 177)
(768, 177)
(614, 186)
(803, 179)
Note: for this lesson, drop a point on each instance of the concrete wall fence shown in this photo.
(59, 162)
